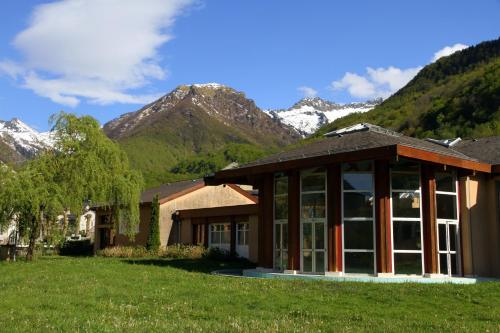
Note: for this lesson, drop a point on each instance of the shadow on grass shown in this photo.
(193, 265)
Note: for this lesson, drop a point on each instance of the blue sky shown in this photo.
(105, 58)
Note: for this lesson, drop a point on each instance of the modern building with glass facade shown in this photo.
(366, 200)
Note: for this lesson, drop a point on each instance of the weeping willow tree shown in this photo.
(84, 166)
(92, 168)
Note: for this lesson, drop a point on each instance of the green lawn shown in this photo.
(116, 295)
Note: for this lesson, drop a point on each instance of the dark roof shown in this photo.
(362, 136)
(486, 150)
(169, 189)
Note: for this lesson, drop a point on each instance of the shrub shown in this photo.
(218, 254)
(83, 247)
(183, 252)
(153, 243)
(124, 252)
(172, 252)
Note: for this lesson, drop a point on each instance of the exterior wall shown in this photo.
(480, 226)
(253, 235)
(205, 197)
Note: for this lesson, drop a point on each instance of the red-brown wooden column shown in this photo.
(383, 216)
(429, 219)
(334, 216)
(205, 233)
(294, 220)
(232, 247)
(266, 221)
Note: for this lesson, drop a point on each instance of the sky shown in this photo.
(108, 57)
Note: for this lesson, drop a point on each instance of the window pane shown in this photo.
(281, 185)
(405, 181)
(307, 261)
(453, 237)
(406, 165)
(453, 259)
(285, 236)
(313, 205)
(359, 262)
(445, 182)
(277, 236)
(319, 229)
(358, 181)
(359, 166)
(408, 263)
(281, 208)
(358, 235)
(313, 182)
(358, 205)
(307, 236)
(446, 206)
(277, 259)
(406, 235)
(443, 263)
(320, 262)
(406, 204)
(226, 237)
(216, 237)
(442, 237)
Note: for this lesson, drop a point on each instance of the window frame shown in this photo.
(407, 219)
(220, 232)
(280, 223)
(359, 219)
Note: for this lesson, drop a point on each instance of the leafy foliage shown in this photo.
(458, 95)
(153, 242)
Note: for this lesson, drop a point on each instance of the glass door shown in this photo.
(313, 221)
(280, 222)
(447, 224)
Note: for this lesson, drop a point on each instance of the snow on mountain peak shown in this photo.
(23, 138)
(310, 113)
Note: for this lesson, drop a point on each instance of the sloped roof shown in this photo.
(486, 150)
(355, 138)
(170, 189)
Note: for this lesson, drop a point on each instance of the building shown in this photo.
(189, 210)
(366, 200)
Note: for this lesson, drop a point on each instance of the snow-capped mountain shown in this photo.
(19, 141)
(309, 114)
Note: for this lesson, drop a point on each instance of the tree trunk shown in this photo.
(65, 224)
(34, 232)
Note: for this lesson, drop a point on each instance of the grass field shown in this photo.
(116, 295)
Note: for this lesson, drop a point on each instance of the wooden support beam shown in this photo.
(334, 216)
(232, 246)
(266, 186)
(429, 219)
(205, 233)
(383, 216)
(294, 220)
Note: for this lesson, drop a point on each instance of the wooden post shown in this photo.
(266, 187)
(294, 220)
(232, 250)
(383, 216)
(429, 219)
(205, 233)
(334, 216)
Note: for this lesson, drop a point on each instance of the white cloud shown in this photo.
(94, 50)
(448, 50)
(307, 91)
(379, 82)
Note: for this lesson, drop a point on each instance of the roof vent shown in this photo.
(445, 142)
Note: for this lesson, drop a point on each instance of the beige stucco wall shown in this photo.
(205, 197)
(480, 226)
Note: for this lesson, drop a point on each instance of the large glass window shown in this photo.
(220, 236)
(447, 223)
(358, 221)
(280, 222)
(313, 220)
(406, 219)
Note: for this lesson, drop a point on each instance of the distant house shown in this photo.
(367, 200)
(178, 203)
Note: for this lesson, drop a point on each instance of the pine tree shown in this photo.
(153, 243)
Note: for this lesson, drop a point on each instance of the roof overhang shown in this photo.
(495, 168)
(244, 175)
(250, 209)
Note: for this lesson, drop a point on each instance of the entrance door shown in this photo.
(448, 240)
(104, 237)
(280, 246)
(313, 221)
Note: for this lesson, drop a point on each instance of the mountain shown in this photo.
(309, 114)
(211, 122)
(19, 142)
(456, 96)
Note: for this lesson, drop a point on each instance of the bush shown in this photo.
(172, 252)
(83, 247)
(218, 254)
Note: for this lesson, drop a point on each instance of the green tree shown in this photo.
(153, 242)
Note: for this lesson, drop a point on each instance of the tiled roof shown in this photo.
(355, 138)
(169, 189)
(486, 150)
